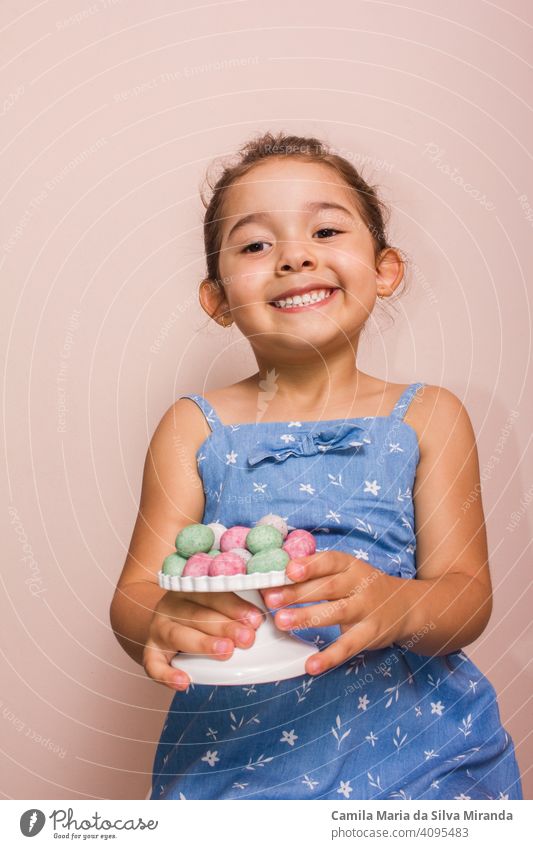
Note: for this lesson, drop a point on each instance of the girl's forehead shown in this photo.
(285, 184)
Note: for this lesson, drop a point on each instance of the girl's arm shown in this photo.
(451, 600)
(170, 499)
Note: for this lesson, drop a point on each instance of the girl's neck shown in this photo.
(319, 390)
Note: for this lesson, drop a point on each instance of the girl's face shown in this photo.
(291, 228)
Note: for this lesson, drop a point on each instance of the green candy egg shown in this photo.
(268, 560)
(263, 536)
(213, 552)
(193, 539)
(173, 565)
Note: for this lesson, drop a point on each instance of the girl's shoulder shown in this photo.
(437, 414)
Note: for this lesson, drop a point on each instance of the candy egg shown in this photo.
(263, 536)
(213, 552)
(299, 543)
(218, 530)
(198, 565)
(268, 560)
(227, 563)
(173, 565)
(276, 522)
(193, 539)
(234, 537)
(243, 553)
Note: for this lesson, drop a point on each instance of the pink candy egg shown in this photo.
(234, 538)
(227, 563)
(197, 565)
(299, 543)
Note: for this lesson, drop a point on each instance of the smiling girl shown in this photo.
(390, 707)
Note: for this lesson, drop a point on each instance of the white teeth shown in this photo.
(307, 298)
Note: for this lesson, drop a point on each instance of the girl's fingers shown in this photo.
(357, 639)
(212, 622)
(180, 638)
(233, 606)
(156, 663)
(332, 586)
(315, 616)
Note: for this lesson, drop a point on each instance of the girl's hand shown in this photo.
(197, 623)
(364, 601)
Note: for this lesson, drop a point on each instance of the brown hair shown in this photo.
(373, 212)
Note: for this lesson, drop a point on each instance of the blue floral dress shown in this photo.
(387, 723)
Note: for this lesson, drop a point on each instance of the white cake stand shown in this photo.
(274, 656)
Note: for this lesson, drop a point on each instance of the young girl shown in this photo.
(390, 707)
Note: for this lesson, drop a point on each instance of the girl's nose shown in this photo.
(294, 256)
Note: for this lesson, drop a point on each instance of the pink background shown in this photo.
(112, 112)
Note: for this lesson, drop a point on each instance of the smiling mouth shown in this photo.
(310, 300)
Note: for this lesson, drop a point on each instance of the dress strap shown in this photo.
(400, 408)
(208, 411)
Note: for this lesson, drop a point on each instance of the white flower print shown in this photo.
(502, 795)
(295, 424)
(201, 457)
(472, 686)
(354, 664)
(394, 447)
(288, 737)
(238, 723)
(345, 788)
(360, 553)
(183, 797)
(435, 785)
(374, 782)
(333, 515)
(231, 458)
(250, 691)
(394, 694)
(211, 757)
(432, 682)
(399, 794)
(240, 785)
(371, 738)
(307, 487)
(366, 527)
(363, 702)
(261, 761)
(429, 753)
(397, 741)
(302, 692)
(404, 496)
(466, 725)
(462, 796)
(372, 486)
(336, 731)
(437, 707)
(287, 437)
(310, 782)
(211, 733)
(259, 487)
(335, 480)
(418, 710)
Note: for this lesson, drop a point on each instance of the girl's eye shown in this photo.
(253, 247)
(329, 231)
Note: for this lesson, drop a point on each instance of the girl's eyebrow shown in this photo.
(310, 206)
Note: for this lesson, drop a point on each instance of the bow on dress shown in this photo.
(332, 438)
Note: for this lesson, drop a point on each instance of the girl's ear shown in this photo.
(213, 300)
(389, 272)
